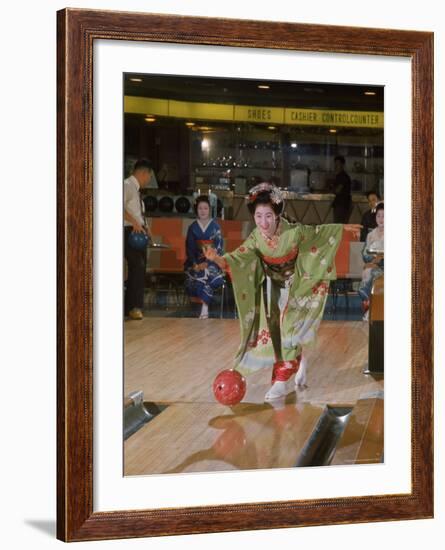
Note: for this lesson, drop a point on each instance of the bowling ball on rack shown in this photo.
(166, 204)
(138, 241)
(182, 205)
(229, 387)
(151, 203)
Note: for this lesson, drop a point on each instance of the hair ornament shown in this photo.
(276, 196)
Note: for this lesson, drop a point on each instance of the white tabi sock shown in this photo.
(204, 310)
(301, 376)
(278, 389)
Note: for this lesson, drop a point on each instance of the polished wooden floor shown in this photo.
(174, 362)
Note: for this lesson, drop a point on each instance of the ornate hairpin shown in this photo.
(275, 194)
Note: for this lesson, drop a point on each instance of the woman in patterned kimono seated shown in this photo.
(202, 276)
(280, 277)
(373, 262)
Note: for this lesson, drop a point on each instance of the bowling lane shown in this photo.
(172, 359)
(211, 437)
(176, 360)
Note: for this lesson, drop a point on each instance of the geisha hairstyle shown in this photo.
(201, 198)
(265, 194)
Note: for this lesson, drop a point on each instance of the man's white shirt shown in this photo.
(132, 200)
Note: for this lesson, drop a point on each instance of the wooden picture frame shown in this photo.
(77, 31)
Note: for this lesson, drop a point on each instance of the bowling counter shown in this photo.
(308, 208)
(304, 208)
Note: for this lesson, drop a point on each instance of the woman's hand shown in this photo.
(353, 228)
(210, 254)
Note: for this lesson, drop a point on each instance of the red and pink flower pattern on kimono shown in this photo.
(263, 338)
(314, 251)
(320, 289)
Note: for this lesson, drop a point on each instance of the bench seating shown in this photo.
(173, 231)
(349, 266)
(165, 267)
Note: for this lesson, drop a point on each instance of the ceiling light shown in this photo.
(263, 87)
(271, 127)
(189, 124)
(136, 79)
(332, 130)
(370, 93)
(150, 119)
(293, 145)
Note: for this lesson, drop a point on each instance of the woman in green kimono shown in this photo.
(280, 278)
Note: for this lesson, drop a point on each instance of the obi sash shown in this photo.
(280, 268)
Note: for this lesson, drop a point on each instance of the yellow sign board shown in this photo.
(146, 106)
(254, 114)
(268, 115)
(206, 111)
(322, 117)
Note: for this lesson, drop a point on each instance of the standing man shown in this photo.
(134, 221)
(342, 189)
(368, 218)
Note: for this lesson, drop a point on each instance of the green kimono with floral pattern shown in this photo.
(281, 290)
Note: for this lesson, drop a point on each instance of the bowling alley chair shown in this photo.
(234, 232)
(224, 297)
(165, 267)
(349, 267)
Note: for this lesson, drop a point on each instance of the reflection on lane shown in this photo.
(253, 436)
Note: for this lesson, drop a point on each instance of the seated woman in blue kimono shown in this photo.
(203, 277)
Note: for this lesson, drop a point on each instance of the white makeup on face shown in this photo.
(265, 219)
(380, 218)
(203, 211)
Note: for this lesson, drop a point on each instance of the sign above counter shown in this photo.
(256, 114)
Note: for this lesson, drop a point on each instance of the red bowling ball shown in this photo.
(229, 387)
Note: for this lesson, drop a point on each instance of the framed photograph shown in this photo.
(144, 446)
